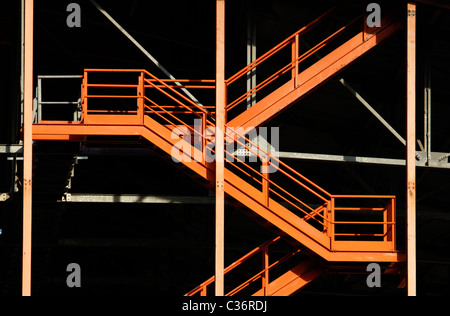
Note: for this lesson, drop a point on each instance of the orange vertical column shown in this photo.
(411, 149)
(27, 148)
(220, 146)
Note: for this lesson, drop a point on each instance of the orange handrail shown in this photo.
(234, 265)
(279, 47)
(292, 40)
(288, 67)
(324, 215)
(202, 288)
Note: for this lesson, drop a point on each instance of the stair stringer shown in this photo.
(294, 280)
(274, 213)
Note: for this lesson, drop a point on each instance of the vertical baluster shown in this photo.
(331, 217)
(265, 263)
(386, 226)
(140, 99)
(84, 98)
(295, 56)
(265, 179)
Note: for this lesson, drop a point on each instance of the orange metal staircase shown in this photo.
(297, 84)
(321, 226)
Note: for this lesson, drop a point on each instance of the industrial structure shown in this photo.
(266, 148)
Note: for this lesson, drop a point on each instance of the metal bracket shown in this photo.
(443, 158)
(4, 197)
(438, 159)
(67, 197)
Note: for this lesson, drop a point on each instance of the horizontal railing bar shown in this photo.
(111, 111)
(61, 77)
(115, 70)
(59, 103)
(181, 87)
(185, 80)
(364, 223)
(111, 85)
(153, 80)
(112, 97)
(177, 107)
(375, 209)
(363, 196)
(360, 235)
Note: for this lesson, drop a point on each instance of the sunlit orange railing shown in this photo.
(293, 42)
(301, 196)
(267, 267)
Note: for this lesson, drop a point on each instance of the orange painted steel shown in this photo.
(307, 213)
(263, 274)
(220, 145)
(28, 148)
(307, 81)
(280, 206)
(279, 47)
(294, 280)
(262, 201)
(411, 150)
(293, 66)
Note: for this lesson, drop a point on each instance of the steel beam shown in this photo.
(220, 146)
(411, 150)
(340, 158)
(373, 111)
(251, 52)
(136, 199)
(427, 110)
(28, 147)
(11, 149)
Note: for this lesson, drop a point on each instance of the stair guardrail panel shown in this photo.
(286, 193)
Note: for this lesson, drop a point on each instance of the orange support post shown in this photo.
(411, 149)
(220, 146)
(28, 149)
